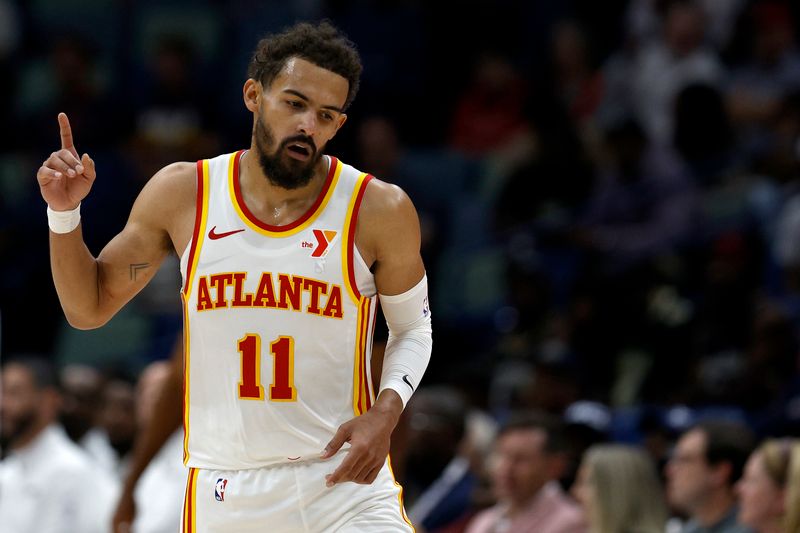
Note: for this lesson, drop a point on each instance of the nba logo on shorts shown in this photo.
(219, 489)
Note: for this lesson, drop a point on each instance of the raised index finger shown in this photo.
(66, 132)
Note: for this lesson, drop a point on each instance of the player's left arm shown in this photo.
(388, 238)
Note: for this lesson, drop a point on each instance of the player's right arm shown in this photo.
(91, 290)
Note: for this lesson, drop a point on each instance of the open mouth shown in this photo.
(299, 150)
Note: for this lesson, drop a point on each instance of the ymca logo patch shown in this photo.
(324, 239)
(219, 489)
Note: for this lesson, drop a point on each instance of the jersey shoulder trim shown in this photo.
(350, 225)
(201, 215)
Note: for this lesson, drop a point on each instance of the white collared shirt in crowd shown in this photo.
(52, 486)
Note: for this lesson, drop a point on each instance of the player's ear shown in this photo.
(251, 93)
(342, 119)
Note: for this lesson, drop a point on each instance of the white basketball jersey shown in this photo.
(278, 323)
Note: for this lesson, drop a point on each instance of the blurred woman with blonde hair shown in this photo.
(769, 491)
(619, 487)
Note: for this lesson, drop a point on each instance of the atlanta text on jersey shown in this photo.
(296, 293)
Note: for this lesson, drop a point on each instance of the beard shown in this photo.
(19, 426)
(284, 171)
(75, 425)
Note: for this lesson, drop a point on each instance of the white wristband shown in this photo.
(63, 221)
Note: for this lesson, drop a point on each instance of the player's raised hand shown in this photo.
(65, 178)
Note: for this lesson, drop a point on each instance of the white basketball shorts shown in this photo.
(291, 498)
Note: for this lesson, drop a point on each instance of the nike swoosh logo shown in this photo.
(213, 235)
(405, 378)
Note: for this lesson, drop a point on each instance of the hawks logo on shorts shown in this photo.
(219, 489)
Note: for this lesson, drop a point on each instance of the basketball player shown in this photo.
(284, 252)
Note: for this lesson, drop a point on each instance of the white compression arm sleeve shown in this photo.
(408, 349)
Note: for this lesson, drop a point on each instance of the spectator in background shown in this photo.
(554, 385)
(769, 71)
(175, 116)
(586, 423)
(657, 431)
(150, 469)
(528, 459)
(644, 202)
(441, 470)
(489, 112)
(645, 18)
(47, 483)
(780, 210)
(769, 491)
(118, 420)
(703, 136)
(723, 316)
(380, 147)
(669, 64)
(82, 400)
(620, 490)
(78, 88)
(772, 360)
(574, 77)
(617, 71)
(644, 207)
(701, 474)
(159, 493)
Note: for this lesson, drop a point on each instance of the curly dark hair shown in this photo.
(322, 44)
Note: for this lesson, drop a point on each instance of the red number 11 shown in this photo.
(282, 388)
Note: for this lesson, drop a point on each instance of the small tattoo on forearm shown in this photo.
(136, 267)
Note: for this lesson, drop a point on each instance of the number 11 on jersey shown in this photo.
(282, 387)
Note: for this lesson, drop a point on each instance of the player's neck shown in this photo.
(273, 204)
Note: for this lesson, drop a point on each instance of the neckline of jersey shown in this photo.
(333, 163)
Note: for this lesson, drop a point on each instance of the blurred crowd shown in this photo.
(609, 195)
